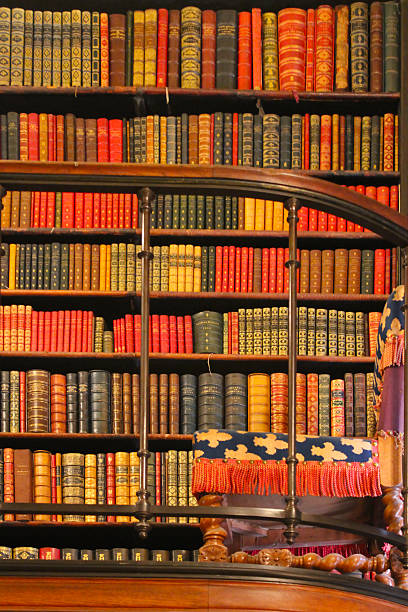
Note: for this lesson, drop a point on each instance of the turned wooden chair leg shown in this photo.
(214, 535)
(393, 507)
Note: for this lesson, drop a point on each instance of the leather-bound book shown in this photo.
(247, 139)
(72, 402)
(73, 482)
(236, 402)
(116, 403)
(227, 154)
(270, 66)
(258, 138)
(342, 48)
(376, 47)
(324, 48)
(367, 271)
(350, 334)
(99, 401)
(312, 385)
(28, 47)
(91, 153)
(256, 48)
(324, 405)
(95, 49)
(218, 138)
(210, 401)
(173, 56)
(150, 50)
(13, 135)
(104, 42)
(190, 47)
(122, 473)
(182, 482)
(193, 139)
(259, 403)
(285, 141)
(359, 46)
(391, 46)
(76, 59)
(174, 404)
(138, 48)
(314, 142)
(117, 29)
(365, 143)
(388, 142)
(66, 49)
(154, 404)
(349, 144)
(315, 271)
(129, 49)
(357, 144)
(226, 53)
(296, 149)
(325, 142)
(38, 401)
(321, 331)
(271, 142)
(244, 77)
(83, 402)
(292, 48)
(70, 554)
(337, 408)
(188, 403)
(163, 403)
(5, 31)
(37, 49)
(327, 271)
(91, 484)
(208, 51)
(360, 422)
(310, 50)
(332, 332)
(58, 403)
(304, 270)
(23, 481)
(17, 46)
(340, 270)
(360, 334)
(41, 481)
(86, 36)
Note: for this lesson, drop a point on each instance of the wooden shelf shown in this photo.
(231, 94)
(5, 435)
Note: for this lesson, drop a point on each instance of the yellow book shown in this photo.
(90, 485)
(268, 215)
(163, 140)
(189, 266)
(249, 215)
(197, 269)
(150, 139)
(181, 268)
(12, 266)
(102, 267)
(27, 331)
(277, 216)
(76, 48)
(138, 48)
(335, 142)
(396, 144)
(285, 220)
(259, 403)
(259, 215)
(108, 267)
(133, 480)
(173, 263)
(6, 211)
(20, 328)
(150, 52)
(122, 488)
(43, 136)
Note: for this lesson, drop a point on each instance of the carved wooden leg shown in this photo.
(214, 535)
(393, 506)
(399, 574)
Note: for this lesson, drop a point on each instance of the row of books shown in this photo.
(50, 553)
(102, 402)
(185, 267)
(35, 209)
(309, 142)
(295, 49)
(253, 331)
(40, 476)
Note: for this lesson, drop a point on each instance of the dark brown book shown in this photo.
(37, 402)
(173, 54)
(376, 47)
(69, 137)
(340, 270)
(127, 402)
(91, 154)
(80, 139)
(23, 479)
(164, 403)
(208, 52)
(116, 403)
(257, 281)
(71, 267)
(315, 271)
(117, 55)
(354, 271)
(86, 274)
(79, 255)
(94, 267)
(304, 271)
(25, 209)
(174, 412)
(135, 402)
(154, 403)
(327, 271)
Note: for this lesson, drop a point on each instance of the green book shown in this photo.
(200, 221)
(209, 212)
(324, 405)
(204, 268)
(219, 212)
(211, 268)
(176, 211)
(129, 49)
(234, 212)
(27, 267)
(183, 212)
(391, 46)
(228, 212)
(40, 260)
(168, 212)
(34, 266)
(191, 212)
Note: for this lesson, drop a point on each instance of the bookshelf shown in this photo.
(126, 177)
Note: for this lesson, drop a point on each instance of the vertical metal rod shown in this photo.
(405, 452)
(146, 197)
(292, 204)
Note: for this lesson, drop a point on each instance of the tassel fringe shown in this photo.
(340, 479)
(392, 356)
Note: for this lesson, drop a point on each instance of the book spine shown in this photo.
(359, 46)
(190, 47)
(292, 48)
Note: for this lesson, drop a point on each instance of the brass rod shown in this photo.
(146, 197)
(292, 205)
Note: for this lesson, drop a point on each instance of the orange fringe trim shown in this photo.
(326, 478)
(393, 356)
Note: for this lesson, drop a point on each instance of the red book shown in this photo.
(135, 211)
(208, 47)
(188, 333)
(47, 552)
(272, 270)
(90, 346)
(235, 139)
(371, 192)
(256, 48)
(341, 224)
(110, 483)
(23, 137)
(250, 269)
(325, 142)
(164, 334)
(34, 332)
(292, 48)
(244, 51)
(103, 222)
(218, 269)
(238, 269)
(96, 220)
(383, 195)
(88, 210)
(102, 127)
(379, 271)
(128, 210)
(286, 272)
(331, 223)
(22, 376)
(122, 335)
(54, 331)
(387, 281)
(67, 330)
(324, 48)
(60, 331)
(84, 339)
(47, 331)
(280, 262)
(162, 32)
(115, 140)
(35, 209)
(321, 221)
(52, 137)
(244, 270)
(109, 210)
(73, 326)
(121, 211)
(137, 325)
(313, 215)
(115, 209)
(78, 342)
(265, 270)
(310, 49)
(79, 210)
(234, 333)
(129, 334)
(43, 209)
(50, 222)
(181, 347)
(225, 258)
(115, 336)
(303, 216)
(306, 163)
(67, 209)
(394, 197)
(173, 333)
(155, 333)
(231, 269)
(60, 137)
(33, 137)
